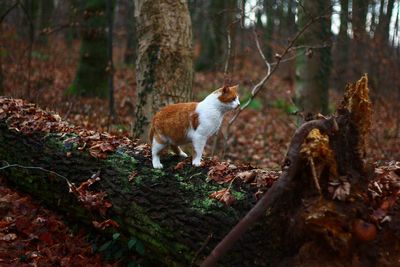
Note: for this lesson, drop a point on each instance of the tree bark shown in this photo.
(164, 71)
(313, 66)
(91, 76)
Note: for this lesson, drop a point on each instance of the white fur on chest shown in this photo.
(211, 113)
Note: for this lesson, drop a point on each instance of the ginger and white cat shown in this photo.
(194, 122)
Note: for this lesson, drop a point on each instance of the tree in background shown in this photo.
(212, 20)
(91, 76)
(164, 65)
(269, 29)
(359, 18)
(44, 10)
(313, 67)
(342, 47)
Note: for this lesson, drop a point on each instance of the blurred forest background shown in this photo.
(57, 53)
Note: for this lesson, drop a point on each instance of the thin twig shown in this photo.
(314, 175)
(36, 168)
(267, 64)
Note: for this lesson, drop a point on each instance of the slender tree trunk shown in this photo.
(291, 18)
(269, 30)
(43, 21)
(313, 67)
(212, 36)
(164, 71)
(359, 16)
(1, 55)
(91, 76)
(130, 52)
(342, 47)
(382, 33)
(110, 65)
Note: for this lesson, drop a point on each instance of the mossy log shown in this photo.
(168, 210)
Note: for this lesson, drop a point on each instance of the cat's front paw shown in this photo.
(157, 165)
(196, 163)
(183, 154)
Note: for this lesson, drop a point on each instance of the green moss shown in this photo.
(155, 237)
(238, 195)
(203, 205)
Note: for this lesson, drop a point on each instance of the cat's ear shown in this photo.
(225, 89)
(234, 88)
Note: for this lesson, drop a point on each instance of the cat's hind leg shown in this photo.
(178, 151)
(156, 147)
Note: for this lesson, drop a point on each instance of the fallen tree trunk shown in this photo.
(168, 210)
(318, 212)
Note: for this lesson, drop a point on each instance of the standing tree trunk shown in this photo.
(164, 71)
(212, 32)
(342, 45)
(359, 17)
(313, 67)
(91, 76)
(43, 22)
(269, 30)
(382, 33)
(110, 65)
(1, 56)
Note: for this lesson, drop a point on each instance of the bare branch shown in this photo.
(229, 41)
(267, 64)
(258, 86)
(8, 11)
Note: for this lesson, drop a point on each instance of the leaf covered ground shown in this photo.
(32, 235)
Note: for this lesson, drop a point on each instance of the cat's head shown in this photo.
(228, 97)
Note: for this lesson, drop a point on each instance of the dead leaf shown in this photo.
(105, 224)
(180, 165)
(247, 176)
(8, 237)
(342, 191)
(132, 176)
(223, 196)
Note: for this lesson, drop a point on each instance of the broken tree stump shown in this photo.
(323, 192)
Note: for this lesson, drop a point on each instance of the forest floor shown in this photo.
(260, 136)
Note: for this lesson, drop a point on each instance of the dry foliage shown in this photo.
(31, 235)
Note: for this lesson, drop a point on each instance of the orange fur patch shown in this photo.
(228, 94)
(174, 121)
(194, 117)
